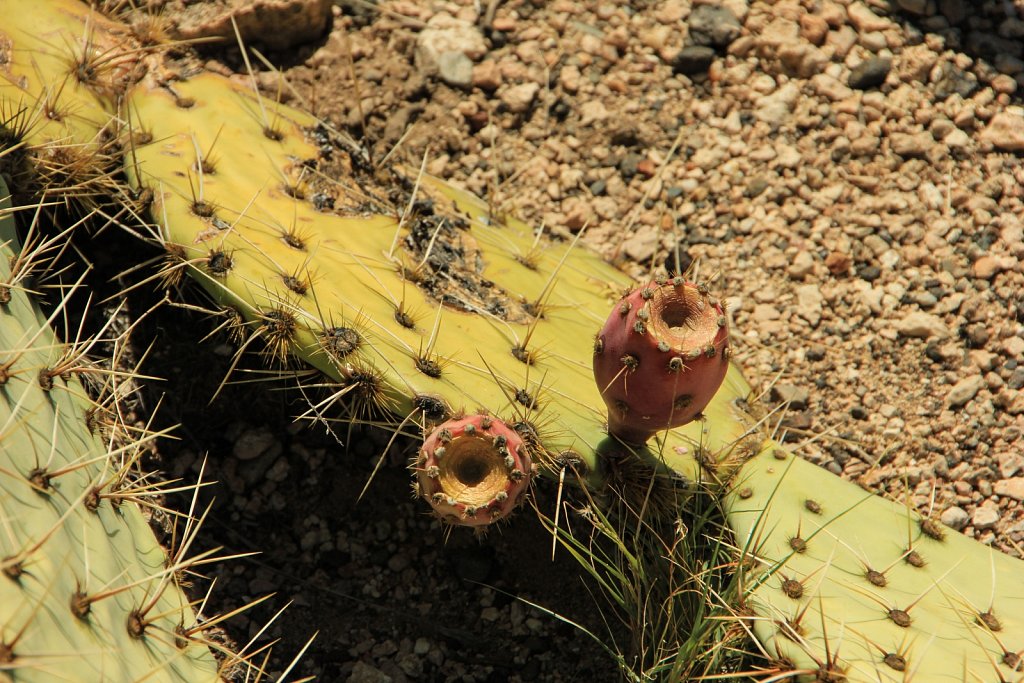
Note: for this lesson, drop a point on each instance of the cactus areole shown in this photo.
(473, 470)
(660, 358)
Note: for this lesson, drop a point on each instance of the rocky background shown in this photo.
(849, 174)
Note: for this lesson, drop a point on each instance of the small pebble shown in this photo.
(796, 397)
(954, 517)
(985, 517)
(922, 325)
(964, 390)
(713, 26)
(693, 60)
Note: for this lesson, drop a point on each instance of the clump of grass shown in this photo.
(660, 552)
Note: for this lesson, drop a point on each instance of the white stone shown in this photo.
(444, 33)
(985, 517)
(1010, 488)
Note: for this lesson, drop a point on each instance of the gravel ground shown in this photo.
(850, 171)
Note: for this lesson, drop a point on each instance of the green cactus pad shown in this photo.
(62, 542)
(431, 296)
(848, 586)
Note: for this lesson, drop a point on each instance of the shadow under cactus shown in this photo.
(380, 581)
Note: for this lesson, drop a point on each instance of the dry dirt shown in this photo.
(850, 174)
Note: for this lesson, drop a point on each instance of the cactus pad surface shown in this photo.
(848, 586)
(86, 592)
(59, 71)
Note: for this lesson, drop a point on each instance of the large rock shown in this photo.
(276, 24)
(1005, 131)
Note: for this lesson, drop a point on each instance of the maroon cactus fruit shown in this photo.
(473, 470)
(660, 357)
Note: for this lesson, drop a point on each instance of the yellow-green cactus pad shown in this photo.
(406, 291)
(63, 67)
(847, 586)
(86, 592)
(60, 65)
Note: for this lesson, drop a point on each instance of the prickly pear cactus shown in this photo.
(847, 586)
(407, 292)
(421, 305)
(86, 592)
(414, 299)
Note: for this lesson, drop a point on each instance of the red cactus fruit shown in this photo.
(473, 470)
(660, 357)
